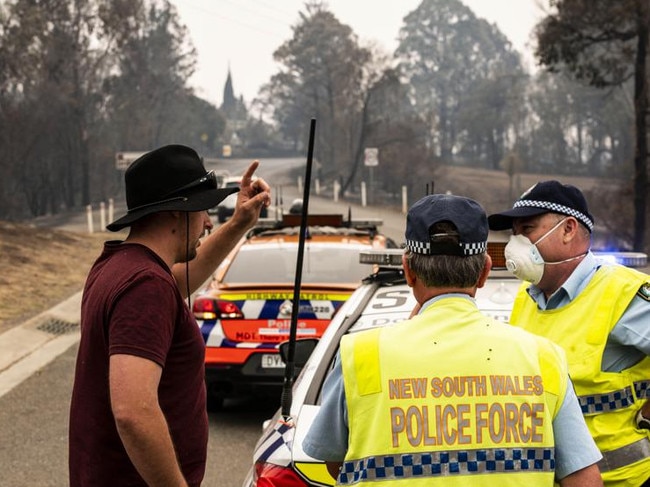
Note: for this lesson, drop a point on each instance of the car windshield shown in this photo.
(274, 263)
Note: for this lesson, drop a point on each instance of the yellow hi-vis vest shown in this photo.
(451, 396)
(609, 400)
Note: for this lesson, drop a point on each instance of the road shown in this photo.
(34, 436)
(34, 414)
(282, 175)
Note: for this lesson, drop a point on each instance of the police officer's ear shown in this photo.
(408, 273)
(486, 271)
(570, 228)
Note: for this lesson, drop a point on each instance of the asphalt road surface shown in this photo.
(34, 431)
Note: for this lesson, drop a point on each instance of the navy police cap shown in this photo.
(465, 214)
(545, 197)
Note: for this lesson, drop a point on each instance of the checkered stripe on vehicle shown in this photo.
(214, 337)
(418, 465)
(425, 247)
(277, 443)
(602, 403)
(556, 208)
(270, 309)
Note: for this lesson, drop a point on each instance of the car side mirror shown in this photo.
(303, 349)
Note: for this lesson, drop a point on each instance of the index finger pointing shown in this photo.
(248, 174)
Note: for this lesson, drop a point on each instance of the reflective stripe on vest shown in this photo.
(420, 465)
(642, 389)
(625, 455)
(602, 403)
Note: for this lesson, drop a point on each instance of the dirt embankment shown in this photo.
(40, 267)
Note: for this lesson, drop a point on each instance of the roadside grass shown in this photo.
(40, 267)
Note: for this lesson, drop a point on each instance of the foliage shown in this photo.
(455, 63)
(394, 128)
(321, 77)
(459, 95)
(595, 40)
(82, 80)
(605, 44)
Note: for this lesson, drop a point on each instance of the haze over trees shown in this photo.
(465, 99)
(605, 44)
(83, 79)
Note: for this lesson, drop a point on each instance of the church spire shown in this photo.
(229, 101)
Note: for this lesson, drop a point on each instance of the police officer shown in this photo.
(451, 396)
(598, 312)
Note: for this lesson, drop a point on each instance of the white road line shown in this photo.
(38, 359)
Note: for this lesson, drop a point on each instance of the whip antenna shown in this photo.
(286, 399)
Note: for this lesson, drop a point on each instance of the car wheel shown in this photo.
(215, 403)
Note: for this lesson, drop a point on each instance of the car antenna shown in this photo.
(286, 399)
(280, 203)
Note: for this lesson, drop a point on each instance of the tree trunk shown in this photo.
(641, 109)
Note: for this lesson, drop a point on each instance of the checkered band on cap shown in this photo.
(465, 216)
(467, 248)
(556, 208)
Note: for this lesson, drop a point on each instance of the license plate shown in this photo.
(272, 361)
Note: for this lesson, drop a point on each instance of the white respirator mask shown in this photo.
(523, 258)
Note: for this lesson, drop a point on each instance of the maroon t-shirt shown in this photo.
(131, 305)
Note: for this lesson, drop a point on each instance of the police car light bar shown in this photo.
(384, 258)
(368, 222)
(393, 257)
(329, 220)
(628, 259)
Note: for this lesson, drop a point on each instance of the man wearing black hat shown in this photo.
(598, 312)
(138, 411)
(418, 402)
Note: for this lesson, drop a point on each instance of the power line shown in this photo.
(275, 8)
(247, 25)
(241, 5)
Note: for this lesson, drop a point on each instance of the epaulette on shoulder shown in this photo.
(644, 291)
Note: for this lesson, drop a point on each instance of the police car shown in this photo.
(226, 208)
(246, 310)
(382, 299)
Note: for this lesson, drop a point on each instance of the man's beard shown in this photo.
(191, 254)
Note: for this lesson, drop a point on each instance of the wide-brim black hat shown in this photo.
(545, 197)
(171, 178)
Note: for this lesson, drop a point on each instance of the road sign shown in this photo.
(124, 159)
(371, 156)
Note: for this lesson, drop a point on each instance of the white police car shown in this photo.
(382, 299)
